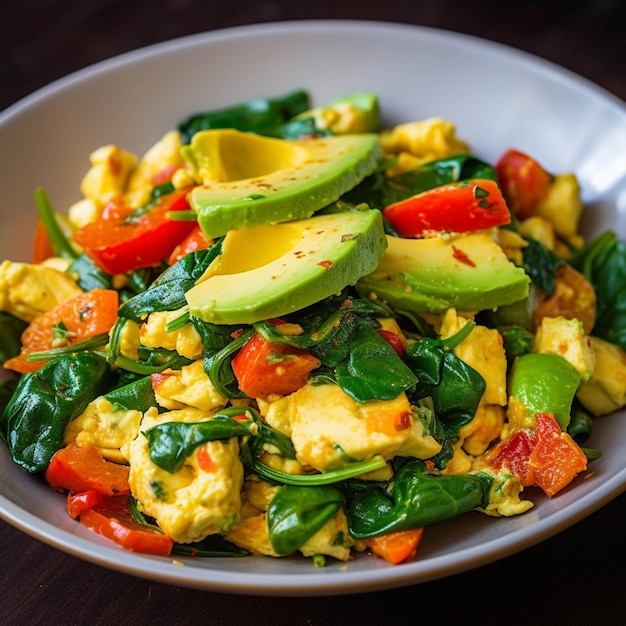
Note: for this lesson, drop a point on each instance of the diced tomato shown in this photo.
(524, 182)
(81, 468)
(396, 547)
(111, 518)
(119, 243)
(513, 453)
(556, 458)
(457, 207)
(195, 240)
(86, 315)
(545, 456)
(263, 368)
(42, 246)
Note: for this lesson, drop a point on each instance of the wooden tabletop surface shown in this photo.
(576, 577)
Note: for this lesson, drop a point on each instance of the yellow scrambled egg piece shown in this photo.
(108, 176)
(416, 143)
(605, 391)
(504, 495)
(187, 387)
(567, 338)
(28, 290)
(328, 427)
(563, 208)
(251, 532)
(163, 154)
(105, 426)
(483, 350)
(195, 501)
(186, 340)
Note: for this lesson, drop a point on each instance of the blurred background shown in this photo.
(42, 40)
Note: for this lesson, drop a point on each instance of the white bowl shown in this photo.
(498, 98)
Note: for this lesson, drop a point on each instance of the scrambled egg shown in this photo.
(557, 335)
(28, 290)
(482, 349)
(108, 176)
(563, 208)
(186, 340)
(251, 532)
(163, 154)
(196, 501)
(605, 391)
(416, 143)
(187, 387)
(105, 426)
(504, 495)
(328, 428)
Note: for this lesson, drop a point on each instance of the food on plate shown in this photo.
(285, 329)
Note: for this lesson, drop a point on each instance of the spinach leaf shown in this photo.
(455, 387)
(541, 264)
(264, 116)
(137, 395)
(412, 499)
(11, 329)
(217, 363)
(167, 292)
(373, 369)
(603, 263)
(296, 513)
(44, 403)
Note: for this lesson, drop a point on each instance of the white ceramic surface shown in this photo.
(498, 97)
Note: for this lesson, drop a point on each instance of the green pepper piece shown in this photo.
(544, 383)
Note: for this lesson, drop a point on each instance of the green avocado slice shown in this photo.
(468, 272)
(248, 179)
(267, 271)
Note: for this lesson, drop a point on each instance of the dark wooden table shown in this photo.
(577, 577)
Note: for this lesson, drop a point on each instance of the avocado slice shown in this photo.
(270, 270)
(356, 113)
(249, 179)
(468, 272)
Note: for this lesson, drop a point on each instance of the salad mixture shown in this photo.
(286, 329)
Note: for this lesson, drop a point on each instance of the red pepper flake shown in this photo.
(241, 418)
(460, 256)
(327, 264)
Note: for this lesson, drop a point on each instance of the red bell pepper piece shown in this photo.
(457, 207)
(263, 368)
(119, 243)
(396, 547)
(524, 182)
(195, 240)
(111, 518)
(556, 459)
(86, 315)
(83, 468)
(545, 456)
